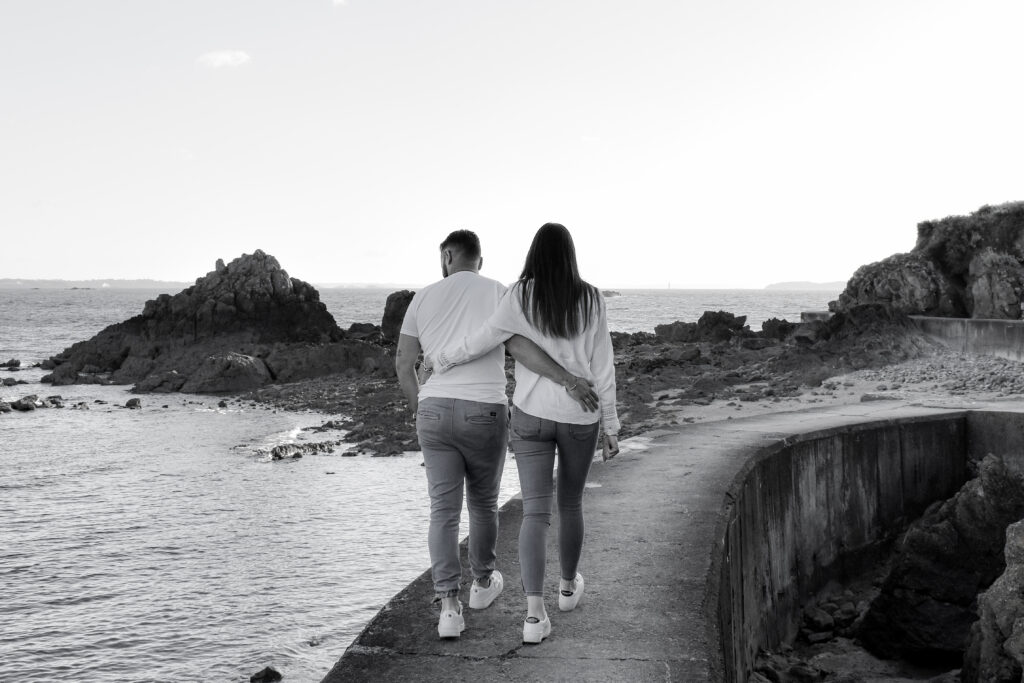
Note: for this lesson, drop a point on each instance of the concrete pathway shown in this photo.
(652, 515)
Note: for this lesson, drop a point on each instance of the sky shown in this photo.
(726, 143)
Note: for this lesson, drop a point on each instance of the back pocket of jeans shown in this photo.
(583, 432)
(425, 414)
(487, 417)
(525, 426)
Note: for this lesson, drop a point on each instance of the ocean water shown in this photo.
(164, 544)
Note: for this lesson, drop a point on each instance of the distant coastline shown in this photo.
(22, 283)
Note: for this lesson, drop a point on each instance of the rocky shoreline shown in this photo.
(250, 332)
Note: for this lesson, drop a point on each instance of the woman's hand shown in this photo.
(611, 447)
(582, 391)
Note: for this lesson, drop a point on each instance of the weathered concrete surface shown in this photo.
(1001, 338)
(656, 547)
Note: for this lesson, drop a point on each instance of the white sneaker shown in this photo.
(536, 631)
(568, 599)
(451, 624)
(480, 597)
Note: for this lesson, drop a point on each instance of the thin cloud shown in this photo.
(223, 58)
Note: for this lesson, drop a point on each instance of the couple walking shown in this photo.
(555, 326)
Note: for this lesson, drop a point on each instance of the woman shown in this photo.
(552, 306)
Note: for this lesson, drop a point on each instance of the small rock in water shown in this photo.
(222, 404)
(25, 404)
(267, 675)
(133, 403)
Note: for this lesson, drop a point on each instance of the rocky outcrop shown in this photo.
(904, 283)
(996, 650)
(961, 266)
(927, 604)
(241, 326)
(994, 285)
(712, 326)
(394, 313)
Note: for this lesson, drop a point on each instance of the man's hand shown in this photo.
(535, 358)
(583, 393)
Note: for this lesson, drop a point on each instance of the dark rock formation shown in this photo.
(394, 313)
(366, 332)
(26, 403)
(5, 407)
(774, 328)
(994, 285)
(267, 675)
(927, 604)
(713, 326)
(239, 327)
(995, 653)
(961, 266)
(11, 364)
(905, 283)
(292, 450)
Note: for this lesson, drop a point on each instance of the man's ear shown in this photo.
(480, 265)
(448, 258)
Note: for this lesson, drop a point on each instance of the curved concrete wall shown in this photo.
(822, 506)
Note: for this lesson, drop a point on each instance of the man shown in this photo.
(462, 421)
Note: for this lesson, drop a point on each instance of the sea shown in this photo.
(165, 544)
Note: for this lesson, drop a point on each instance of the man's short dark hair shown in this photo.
(464, 241)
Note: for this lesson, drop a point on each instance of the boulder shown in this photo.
(718, 326)
(133, 404)
(5, 407)
(905, 283)
(364, 332)
(774, 328)
(927, 604)
(266, 675)
(678, 331)
(12, 363)
(26, 403)
(394, 313)
(994, 285)
(995, 653)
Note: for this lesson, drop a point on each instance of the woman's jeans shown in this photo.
(462, 441)
(535, 442)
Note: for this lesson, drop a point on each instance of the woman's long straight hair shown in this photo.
(554, 297)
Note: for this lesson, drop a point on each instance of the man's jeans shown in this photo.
(462, 441)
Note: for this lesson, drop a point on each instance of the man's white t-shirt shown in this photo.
(441, 315)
